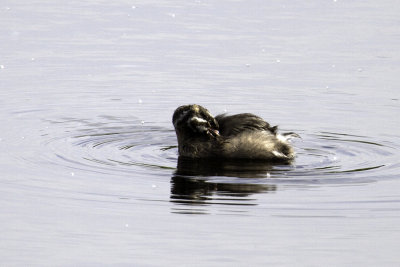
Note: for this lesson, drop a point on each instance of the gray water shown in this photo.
(88, 155)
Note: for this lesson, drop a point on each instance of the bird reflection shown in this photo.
(194, 181)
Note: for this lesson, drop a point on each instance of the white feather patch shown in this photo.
(279, 154)
(201, 120)
(282, 138)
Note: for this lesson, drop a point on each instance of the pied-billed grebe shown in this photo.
(241, 136)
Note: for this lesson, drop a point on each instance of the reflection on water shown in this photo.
(218, 167)
(192, 183)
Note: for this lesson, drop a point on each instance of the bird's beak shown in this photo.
(213, 132)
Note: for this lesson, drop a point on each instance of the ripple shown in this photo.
(345, 157)
(126, 146)
(114, 145)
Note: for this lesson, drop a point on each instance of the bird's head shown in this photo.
(194, 121)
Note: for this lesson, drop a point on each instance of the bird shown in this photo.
(244, 136)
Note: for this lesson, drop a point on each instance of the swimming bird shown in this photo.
(240, 136)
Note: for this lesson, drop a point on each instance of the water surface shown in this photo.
(89, 168)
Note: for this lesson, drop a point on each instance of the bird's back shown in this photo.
(239, 123)
(249, 136)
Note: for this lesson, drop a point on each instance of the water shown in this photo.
(89, 167)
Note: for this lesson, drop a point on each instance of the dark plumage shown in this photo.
(241, 136)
